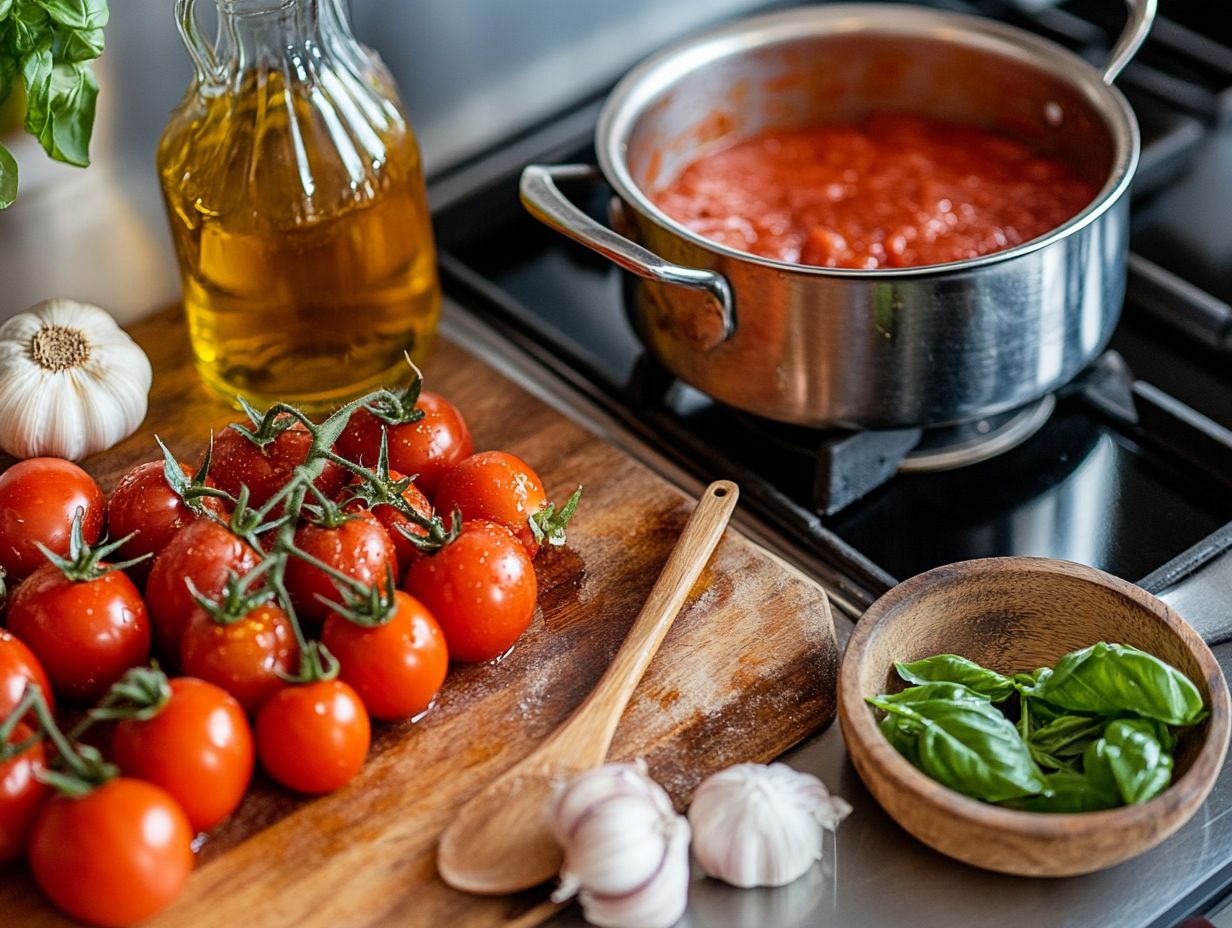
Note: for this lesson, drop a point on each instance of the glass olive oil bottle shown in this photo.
(296, 198)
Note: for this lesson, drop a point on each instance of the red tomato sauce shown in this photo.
(893, 191)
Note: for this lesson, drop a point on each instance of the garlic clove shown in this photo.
(584, 791)
(757, 825)
(659, 902)
(618, 845)
(626, 849)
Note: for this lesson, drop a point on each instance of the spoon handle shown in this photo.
(596, 718)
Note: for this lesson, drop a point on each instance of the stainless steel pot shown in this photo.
(872, 349)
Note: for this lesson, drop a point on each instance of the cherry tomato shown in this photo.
(496, 486)
(427, 448)
(114, 856)
(198, 748)
(143, 502)
(246, 657)
(21, 795)
(481, 589)
(391, 519)
(85, 633)
(266, 470)
(203, 552)
(398, 667)
(38, 498)
(313, 738)
(19, 666)
(359, 548)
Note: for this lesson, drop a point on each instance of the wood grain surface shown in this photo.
(1015, 614)
(747, 670)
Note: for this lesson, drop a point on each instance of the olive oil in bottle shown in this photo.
(296, 199)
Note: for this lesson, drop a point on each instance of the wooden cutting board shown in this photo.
(747, 670)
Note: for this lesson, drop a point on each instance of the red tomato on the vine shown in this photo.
(22, 795)
(392, 520)
(427, 448)
(85, 633)
(198, 748)
(496, 486)
(398, 667)
(38, 499)
(481, 589)
(265, 470)
(247, 658)
(114, 856)
(18, 667)
(359, 548)
(144, 503)
(313, 738)
(203, 552)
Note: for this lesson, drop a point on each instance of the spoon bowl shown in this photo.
(500, 841)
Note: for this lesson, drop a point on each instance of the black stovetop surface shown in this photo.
(1123, 489)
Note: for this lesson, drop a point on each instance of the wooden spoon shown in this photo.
(500, 841)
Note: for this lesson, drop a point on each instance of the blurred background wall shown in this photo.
(470, 71)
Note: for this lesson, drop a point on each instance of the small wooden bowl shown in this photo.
(1016, 614)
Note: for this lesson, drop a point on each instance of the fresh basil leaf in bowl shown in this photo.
(952, 668)
(940, 689)
(1068, 791)
(1067, 736)
(1116, 678)
(1139, 765)
(969, 746)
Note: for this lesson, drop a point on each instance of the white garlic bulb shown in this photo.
(757, 825)
(71, 381)
(626, 849)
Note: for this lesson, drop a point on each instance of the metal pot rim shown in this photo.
(642, 86)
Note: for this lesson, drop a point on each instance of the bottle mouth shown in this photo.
(254, 7)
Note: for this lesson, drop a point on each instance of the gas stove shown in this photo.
(1128, 468)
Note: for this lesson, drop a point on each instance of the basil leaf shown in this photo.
(902, 736)
(30, 25)
(954, 669)
(926, 692)
(1139, 764)
(80, 45)
(77, 14)
(1068, 791)
(1097, 767)
(1051, 762)
(1026, 679)
(8, 178)
(1110, 678)
(5, 6)
(36, 68)
(1067, 735)
(60, 108)
(1167, 740)
(970, 747)
(8, 70)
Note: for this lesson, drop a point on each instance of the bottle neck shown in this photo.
(254, 33)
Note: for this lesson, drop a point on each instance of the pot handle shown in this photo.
(544, 200)
(1141, 15)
